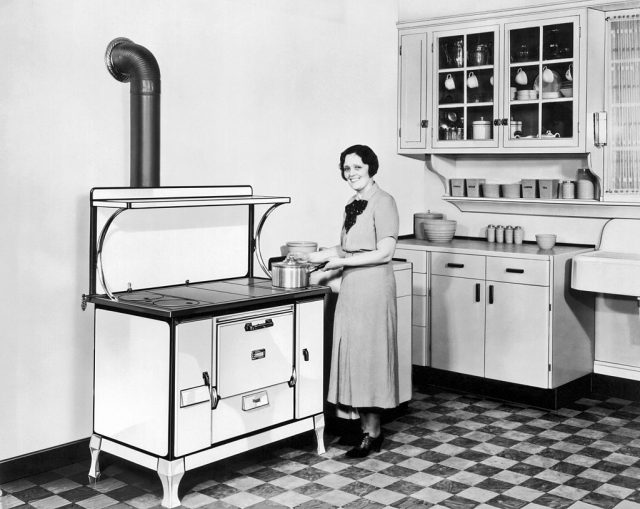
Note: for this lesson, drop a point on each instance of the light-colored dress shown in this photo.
(364, 360)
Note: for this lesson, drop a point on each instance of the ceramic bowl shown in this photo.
(439, 230)
(301, 246)
(545, 240)
(567, 92)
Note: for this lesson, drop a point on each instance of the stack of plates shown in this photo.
(439, 230)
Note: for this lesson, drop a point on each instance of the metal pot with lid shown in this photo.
(292, 273)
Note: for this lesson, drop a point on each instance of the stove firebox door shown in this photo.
(255, 350)
(309, 358)
(193, 386)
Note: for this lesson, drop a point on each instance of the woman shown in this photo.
(364, 366)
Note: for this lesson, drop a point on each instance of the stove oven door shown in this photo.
(254, 359)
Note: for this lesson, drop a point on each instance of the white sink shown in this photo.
(614, 268)
(607, 272)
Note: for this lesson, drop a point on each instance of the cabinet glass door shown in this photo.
(466, 97)
(541, 78)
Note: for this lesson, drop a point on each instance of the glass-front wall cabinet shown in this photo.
(466, 85)
(508, 85)
(540, 103)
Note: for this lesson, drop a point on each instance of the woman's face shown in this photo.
(356, 172)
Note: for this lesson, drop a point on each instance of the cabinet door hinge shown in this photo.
(399, 132)
(400, 50)
(431, 47)
(549, 307)
(579, 31)
(549, 368)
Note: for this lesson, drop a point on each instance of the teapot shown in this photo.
(549, 134)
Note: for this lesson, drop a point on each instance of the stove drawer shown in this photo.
(254, 350)
(252, 411)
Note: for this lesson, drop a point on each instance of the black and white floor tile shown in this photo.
(448, 450)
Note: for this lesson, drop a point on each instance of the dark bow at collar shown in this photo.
(352, 211)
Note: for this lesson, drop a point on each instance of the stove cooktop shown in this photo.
(196, 297)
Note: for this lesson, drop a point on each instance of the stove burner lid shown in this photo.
(174, 302)
(138, 296)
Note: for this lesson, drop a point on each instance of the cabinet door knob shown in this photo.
(424, 123)
(505, 121)
(496, 121)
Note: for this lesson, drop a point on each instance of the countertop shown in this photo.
(484, 248)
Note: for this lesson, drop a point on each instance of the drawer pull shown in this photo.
(248, 327)
(477, 292)
(516, 271)
(258, 354)
(305, 354)
(490, 294)
(455, 265)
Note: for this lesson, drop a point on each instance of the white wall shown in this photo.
(261, 93)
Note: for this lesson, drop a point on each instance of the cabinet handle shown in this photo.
(305, 354)
(504, 121)
(516, 271)
(490, 294)
(496, 122)
(477, 292)
(455, 265)
(599, 128)
(250, 327)
(424, 124)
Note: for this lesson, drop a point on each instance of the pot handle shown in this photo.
(317, 267)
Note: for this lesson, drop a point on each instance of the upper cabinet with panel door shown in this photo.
(511, 84)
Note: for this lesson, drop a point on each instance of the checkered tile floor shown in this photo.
(447, 450)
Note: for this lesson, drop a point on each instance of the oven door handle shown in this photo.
(248, 327)
(215, 398)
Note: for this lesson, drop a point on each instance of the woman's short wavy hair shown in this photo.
(365, 153)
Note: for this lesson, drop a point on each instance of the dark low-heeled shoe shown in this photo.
(367, 444)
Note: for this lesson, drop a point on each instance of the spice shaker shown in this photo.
(518, 235)
(491, 233)
(499, 234)
(508, 235)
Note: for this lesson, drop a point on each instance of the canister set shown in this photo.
(505, 235)
(582, 188)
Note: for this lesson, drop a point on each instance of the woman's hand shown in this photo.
(333, 263)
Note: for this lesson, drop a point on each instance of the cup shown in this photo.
(521, 77)
(568, 74)
(449, 84)
(472, 80)
(547, 75)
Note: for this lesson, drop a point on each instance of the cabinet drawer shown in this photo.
(460, 265)
(514, 270)
(418, 258)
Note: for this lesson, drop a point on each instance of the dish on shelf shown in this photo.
(567, 92)
(550, 95)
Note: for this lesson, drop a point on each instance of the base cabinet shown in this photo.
(508, 317)
(457, 325)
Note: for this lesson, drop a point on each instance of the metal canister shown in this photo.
(508, 235)
(499, 234)
(568, 190)
(518, 235)
(491, 233)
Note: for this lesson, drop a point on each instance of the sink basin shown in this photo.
(607, 272)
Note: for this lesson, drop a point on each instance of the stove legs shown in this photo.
(94, 446)
(318, 424)
(170, 473)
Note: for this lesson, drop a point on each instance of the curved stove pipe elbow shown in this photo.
(129, 62)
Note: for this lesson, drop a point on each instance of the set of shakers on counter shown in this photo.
(505, 234)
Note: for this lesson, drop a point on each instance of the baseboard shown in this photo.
(615, 387)
(543, 398)
(43, 461)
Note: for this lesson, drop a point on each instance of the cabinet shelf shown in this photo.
(543, 207)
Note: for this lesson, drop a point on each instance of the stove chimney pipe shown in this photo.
(130, 62)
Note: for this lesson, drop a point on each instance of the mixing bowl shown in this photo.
(545, 240)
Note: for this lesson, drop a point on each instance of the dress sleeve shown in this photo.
(385, 217)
